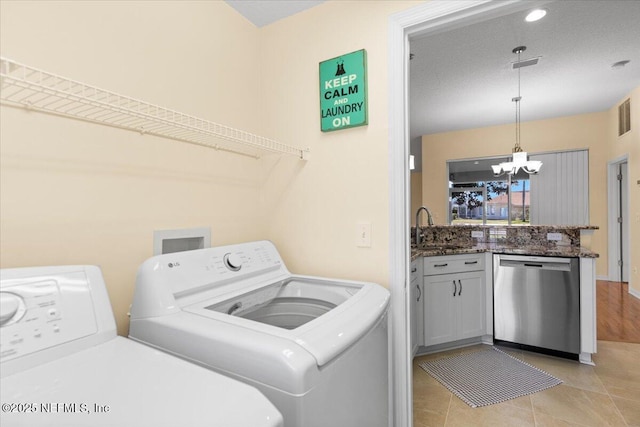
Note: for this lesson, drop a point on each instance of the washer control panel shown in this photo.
(40, 313)
(187, 272)
(233, 261)
(12, 308)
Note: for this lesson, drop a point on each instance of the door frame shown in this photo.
(428, 18)
(613, 201)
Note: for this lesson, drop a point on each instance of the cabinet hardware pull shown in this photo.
(414, 269)
(440, 265)
(533, 265)
(460, 292)
(455, 288)
(470, 262)
(419, 292)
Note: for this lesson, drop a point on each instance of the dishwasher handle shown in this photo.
(538, 264)
(533, 265)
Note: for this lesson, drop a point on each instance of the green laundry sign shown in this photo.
(343, 91)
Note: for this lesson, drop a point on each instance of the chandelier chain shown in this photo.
(517, 148)
(519, 160)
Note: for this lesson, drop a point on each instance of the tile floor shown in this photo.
(605, 395)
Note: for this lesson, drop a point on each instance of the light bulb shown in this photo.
(535, 15)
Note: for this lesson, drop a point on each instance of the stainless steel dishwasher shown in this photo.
(537, 301)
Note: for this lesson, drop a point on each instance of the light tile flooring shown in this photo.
(605, 395)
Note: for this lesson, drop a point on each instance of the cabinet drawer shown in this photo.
(453, 264)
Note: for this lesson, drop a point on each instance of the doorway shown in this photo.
(431, 17)
(618, 223)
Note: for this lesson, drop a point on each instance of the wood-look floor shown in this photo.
(618, 312)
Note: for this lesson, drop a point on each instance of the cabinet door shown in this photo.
(419, 286)
(417, 315)
(417, 318)
(439, 309)
(414, 315)
(471, 303)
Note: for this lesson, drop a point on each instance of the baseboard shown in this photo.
(606, 278)
(634, 293)
(437, 348)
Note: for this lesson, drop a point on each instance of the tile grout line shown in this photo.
(533, 411)
(624, 420)
(446, 417)
(565, 383)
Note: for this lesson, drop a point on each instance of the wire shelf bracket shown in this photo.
(34, 89)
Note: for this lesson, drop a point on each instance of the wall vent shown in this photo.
(188, 239)
(624, 117)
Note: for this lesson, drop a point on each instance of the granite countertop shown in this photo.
(544, 227)
(567, 241)
(498, 248)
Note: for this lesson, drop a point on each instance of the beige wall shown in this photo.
(78, 193)
(629, 144)
(416, 197)
(580, 131)
(313, 208)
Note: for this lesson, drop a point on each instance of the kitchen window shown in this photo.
(477, 197)
(492, 202)
(557, 195)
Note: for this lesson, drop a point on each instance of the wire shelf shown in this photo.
(39, 90)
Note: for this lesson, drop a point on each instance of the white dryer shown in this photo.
(63, 365)
(316, 347)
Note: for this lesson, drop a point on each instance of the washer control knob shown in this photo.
(232, 261)
(9, 306)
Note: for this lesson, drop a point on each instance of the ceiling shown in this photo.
(463, 78)
(265, 12)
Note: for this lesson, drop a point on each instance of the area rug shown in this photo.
(485, 377)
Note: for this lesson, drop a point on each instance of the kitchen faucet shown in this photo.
(429, 222)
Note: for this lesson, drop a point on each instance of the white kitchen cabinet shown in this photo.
(454, 298)
(417, 313)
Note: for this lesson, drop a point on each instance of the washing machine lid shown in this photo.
(121, 382)
(323, 316)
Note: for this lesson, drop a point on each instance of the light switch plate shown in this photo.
(363, 234)
(554, 236)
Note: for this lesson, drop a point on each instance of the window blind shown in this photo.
(560, 191)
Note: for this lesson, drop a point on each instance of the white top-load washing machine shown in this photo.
(316, 347)
(63, 365)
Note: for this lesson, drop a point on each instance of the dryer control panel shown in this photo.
(42, 312)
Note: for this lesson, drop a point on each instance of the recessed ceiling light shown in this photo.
(535, 15)
(620, 64)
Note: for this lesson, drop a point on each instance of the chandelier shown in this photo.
(519, 159)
